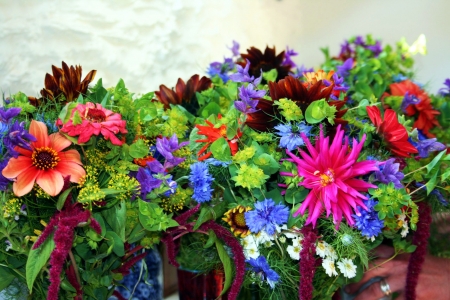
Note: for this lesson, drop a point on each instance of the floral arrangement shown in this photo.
(281, 177)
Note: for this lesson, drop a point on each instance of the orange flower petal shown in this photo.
(39, 131)
(23, 151)
(51, 181)
(70, 155)
(16, 166)
(59, 142)
(66, 168)
(25, 182)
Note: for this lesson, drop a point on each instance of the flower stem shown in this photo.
(75, 267)
(412, 172)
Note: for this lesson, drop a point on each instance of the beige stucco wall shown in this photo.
(148, 43)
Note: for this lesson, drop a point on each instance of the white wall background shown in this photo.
(153, 42)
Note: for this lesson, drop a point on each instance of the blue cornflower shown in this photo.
(408, 100)
(290, 134)
(424, 146)
(235, 48)
(242, 74)
(266, 216)
(445, 91)
(221, 69)
(287, 58)
(389, 172)
(166, 147)
(201, 182)
(368, 222)
(434, 192)
(51, 125)
(217, 163)
(263, 270)
(246, 94)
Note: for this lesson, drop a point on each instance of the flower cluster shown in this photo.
(282, 177)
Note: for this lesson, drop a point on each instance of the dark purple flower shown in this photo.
(235, 48)
(344, 69)
(445, 91)
(17, 136)
(376, 49)
(426, 146)
(368, 222)
(266, 216)
(147, 181)
(166, 147)
(287, 58)
(389, 172)
(359, 41)
(246, 94)
(263, 270)
(408, 100)
(7, 114)
(346, 49)
(242, 74)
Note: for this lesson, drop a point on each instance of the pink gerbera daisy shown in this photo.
(95, 120)
(330, 173)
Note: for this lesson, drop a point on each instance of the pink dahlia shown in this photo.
(330, 173)
(95, 120)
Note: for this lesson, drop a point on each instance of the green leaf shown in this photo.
(76, 119)
(297, 195)
(226, 262)
(270, 75)
(435, 160)
(232, 89)
(319, 110)
(221, 150)
(431, 184)
(6, 277)
(211, 108)
(138, 149)
(116, 218)
(37, 259)
(210, 213)
(267, 163)
(113, 239)
(363, 88)
(62, 198)
(66, 111)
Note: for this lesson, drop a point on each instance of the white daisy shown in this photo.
(250, 247)
(329, 267)
(347, 267)
(294, 251)
(322, 249)
(331, 253)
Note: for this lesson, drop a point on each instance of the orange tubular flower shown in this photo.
(427, 115)
(212, 134)
(46, 164)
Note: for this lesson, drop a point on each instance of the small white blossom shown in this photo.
(331, 253)
(262, 237)
(322, 249)
(8, 245)
(347, 267)
(329, 267)
(294, 251)
(250, 247)
(267, 244)
(282, 239)
(404, 223)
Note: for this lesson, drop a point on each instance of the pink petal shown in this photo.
(50, 181)
(17, 166)
(58, 142)
(39, 131)
(66, 168)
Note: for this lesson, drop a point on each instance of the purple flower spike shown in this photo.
(389, 172)
(166, 147)
(235, 48)
(8, 114)
(344, 69)
(242, 74)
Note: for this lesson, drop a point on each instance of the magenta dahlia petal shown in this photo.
(332, 174)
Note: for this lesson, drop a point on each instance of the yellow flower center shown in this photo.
(95, 115)
(45, 158)
(327, 177)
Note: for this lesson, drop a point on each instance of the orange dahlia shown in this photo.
(46, 164)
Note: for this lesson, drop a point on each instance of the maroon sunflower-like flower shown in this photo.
(265, 61)
(184, 93)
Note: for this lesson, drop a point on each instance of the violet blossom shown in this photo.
(287, 58)
(389, 172)
(235, 48)
(425, 146)
(408, 100)
(247, 103)
(166, 147)
(344, 69)
(242, 74)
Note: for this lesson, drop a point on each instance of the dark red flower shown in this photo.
(393, 133)
(426, 118)
(183, 93)
(265, 61)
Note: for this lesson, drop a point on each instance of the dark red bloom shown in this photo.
(426, 118)
(393, 133)
(420, 239)
(183, 93)
(265, 61)
(307, 262)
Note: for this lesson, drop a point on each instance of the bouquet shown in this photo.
(279, 177)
